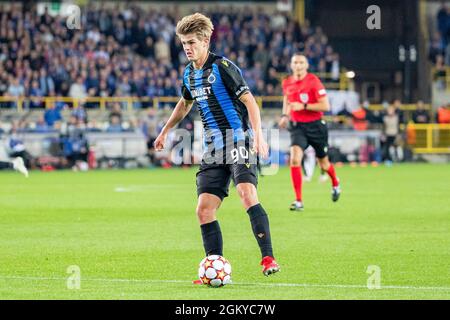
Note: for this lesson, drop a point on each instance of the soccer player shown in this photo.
(304, 102)
(17, 164)
(216, 86)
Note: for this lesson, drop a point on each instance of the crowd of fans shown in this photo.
(127, 51)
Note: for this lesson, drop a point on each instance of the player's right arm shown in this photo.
(284, 120)
(181, 110)
(285, 116)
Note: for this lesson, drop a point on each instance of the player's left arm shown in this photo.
(236, 85)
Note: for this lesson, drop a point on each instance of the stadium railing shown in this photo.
(101, 102)
(428, 138)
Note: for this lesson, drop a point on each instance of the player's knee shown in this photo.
(248, 197)
(205, 214)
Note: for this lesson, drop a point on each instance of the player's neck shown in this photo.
(200, 62)
(300, 76)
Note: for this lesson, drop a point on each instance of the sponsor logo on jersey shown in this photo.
(201, 93)
(241, 89)
(322, 92)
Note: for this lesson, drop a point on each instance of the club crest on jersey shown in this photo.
(304, 98)
(212, 78)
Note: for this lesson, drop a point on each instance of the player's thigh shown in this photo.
(213, 179)
(299, 143)
(318, 138)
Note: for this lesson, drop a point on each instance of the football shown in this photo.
(215, 271)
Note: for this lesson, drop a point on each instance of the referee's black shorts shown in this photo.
(315, 134)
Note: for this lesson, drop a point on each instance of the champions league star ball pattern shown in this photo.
(215, 271)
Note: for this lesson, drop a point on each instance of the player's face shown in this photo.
(194, 48)
(299, 65)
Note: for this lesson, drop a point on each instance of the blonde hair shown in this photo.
(196, 23)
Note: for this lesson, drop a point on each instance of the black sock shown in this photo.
(261, 230)
(6, 165)
(212, 238)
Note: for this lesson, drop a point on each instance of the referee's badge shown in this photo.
(304, 98)
(212, 78)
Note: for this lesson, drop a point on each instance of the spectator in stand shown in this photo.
(53, 114)
(115, 124)
(440, 72)
(15, 89)
(80, 114)
(359, 117)
(443, 114)
(46, 83)
(421, 115)
(114, 42)
(78, 89)
(436, 47)
(36, 95)
(397, 104)
(442, 18)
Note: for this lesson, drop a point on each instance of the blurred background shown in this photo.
(89, 84)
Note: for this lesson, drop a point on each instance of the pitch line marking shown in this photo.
(305, 285)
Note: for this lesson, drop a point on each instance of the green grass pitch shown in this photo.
(134, 235)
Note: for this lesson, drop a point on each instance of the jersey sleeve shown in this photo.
(186, 93)
(318, 90)
(232, 78)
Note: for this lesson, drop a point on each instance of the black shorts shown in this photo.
(215, 178)
(315, 134)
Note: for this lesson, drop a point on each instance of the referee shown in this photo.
(305, 100)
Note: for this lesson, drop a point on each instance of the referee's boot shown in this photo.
(336, 192)
(296, 206)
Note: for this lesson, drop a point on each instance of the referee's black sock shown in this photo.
(6, 165)
(212, 238)
(261, 230)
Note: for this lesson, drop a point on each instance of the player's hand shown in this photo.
(283, 123)
(260, 146)
(160, 142)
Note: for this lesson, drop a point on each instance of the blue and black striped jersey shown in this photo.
(216, 89)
